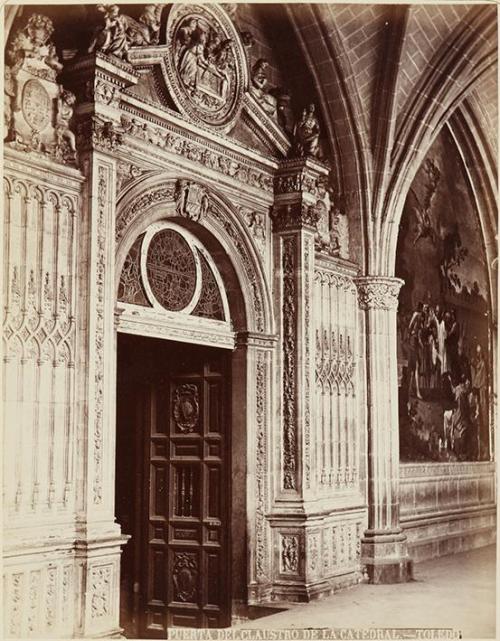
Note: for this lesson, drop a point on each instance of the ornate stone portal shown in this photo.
(172, 229)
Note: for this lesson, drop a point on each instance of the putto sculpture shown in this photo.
(119, 32)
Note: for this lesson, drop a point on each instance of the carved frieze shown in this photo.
(202, 155)
(205, 64)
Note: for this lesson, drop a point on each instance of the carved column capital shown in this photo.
(378, 292)
(298, 185)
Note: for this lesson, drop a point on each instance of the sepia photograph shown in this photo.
(250, 293)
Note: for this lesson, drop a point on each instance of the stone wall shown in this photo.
(447, 507)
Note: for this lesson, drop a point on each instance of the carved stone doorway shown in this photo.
(173, 485)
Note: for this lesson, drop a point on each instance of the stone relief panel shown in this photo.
(444, 359)
(39, 599)
(37, 110)
(336, 338)
(39, 345)
(205, 64)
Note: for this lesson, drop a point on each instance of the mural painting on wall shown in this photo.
(443, 341)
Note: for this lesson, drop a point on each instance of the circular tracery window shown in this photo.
(171, 270)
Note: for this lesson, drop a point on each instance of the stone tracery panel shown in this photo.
(335, 402)
(39, 344)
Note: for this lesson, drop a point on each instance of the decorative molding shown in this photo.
(99, 330)
(289, 346)
(378, 292)
(140, 204)
(162, 137)
(307, 276)
(261, 458)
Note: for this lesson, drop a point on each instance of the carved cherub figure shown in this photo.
(306, 133)
(65, 105)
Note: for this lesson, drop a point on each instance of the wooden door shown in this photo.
(181, 568)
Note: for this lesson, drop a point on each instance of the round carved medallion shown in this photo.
(171, 270)
(205, 64)
(36, 105)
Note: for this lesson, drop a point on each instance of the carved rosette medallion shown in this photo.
(205, 64)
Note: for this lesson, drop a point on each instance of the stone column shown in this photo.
(295, 218)
(384, 546)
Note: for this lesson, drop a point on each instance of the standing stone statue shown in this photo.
(306, 133)
(260, 90)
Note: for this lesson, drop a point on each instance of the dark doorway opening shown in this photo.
(173, 476)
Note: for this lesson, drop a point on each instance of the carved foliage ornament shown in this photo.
(378, 292)
(186, 410)
(205, 64)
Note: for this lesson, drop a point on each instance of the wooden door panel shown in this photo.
(188, 452)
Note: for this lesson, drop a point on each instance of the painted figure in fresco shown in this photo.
(451, 342)
(479, 375)
(457, 424)
(306, 133)
(260, 90)
(414, 345)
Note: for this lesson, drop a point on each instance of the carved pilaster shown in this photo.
(384, 548)
(259, 350)
(98, 536)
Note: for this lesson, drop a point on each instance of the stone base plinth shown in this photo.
(385, 557)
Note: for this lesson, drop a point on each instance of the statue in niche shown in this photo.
(259, 88)
(306, 134)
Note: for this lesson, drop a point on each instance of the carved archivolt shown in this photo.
(194, 201)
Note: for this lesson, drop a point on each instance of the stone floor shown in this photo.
(451, 592)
